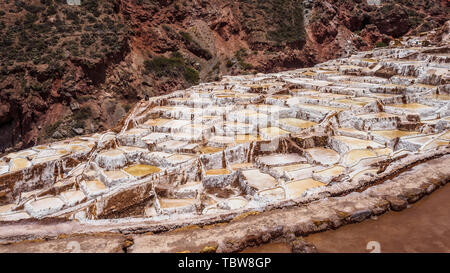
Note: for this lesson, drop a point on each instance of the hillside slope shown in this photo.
(68, 70)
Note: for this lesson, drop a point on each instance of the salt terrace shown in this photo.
(244, 144)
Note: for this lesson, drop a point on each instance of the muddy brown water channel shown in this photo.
(422, 228)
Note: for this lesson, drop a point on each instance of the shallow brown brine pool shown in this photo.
(175, 203)
(142, 170)
(217, 172)
(297, 188)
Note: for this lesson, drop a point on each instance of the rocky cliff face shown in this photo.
(68, 70)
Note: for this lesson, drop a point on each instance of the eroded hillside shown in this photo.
(71, 70)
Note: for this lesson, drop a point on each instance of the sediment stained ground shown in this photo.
(422, 228)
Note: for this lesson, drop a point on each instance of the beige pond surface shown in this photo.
(293, 167)
(238, 166)
(47, 203)
(295, 122)
(324, 156)
(420, 140)
(73, 196)
(411, 106)
(435, 143)
(303, 90)
(7, 208)
(189, 185)
(439, 97)
(175, 203)
(210, 150)
(333, 96)
(352, 102)
(246, 138)
(4, 167)
(383, 151)
(62, 152)
(393, 133)
(19, 164)
(179, 158)
(369, 60)
(136, 131)
(309, 73)
(139, 170)
(333, 171)
(354, 156)
(237, 203)
(225, 96)
(217, 172)
(196, 127)
(312, 96)
(131, 149)
(115, 174)
(259, 180)
(297, 188)
(205, 118)
(281, 97)
(431, 121)
(303, 173)
(365, 99)
(395, 85)
(351, 130)
(156, 122)
(245, 112)
(445, 136)
(358, 174)
(111, 153)
(320, 108)
(273, 131)
(79, 148)
(276, 193)
(281, 159)
(378, 115)
(94, 186)
(225, 140)
(21, 154)
(356, 143)
(45, 159)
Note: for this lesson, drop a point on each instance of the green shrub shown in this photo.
(127, 107)
(280, 20)
(191, 75)
(51, 129)
(163, 66)
(240, 55)
(91, 6)
(381, 44)
(172, 67)
(194, 47)
(87, 40)
(82, 114)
